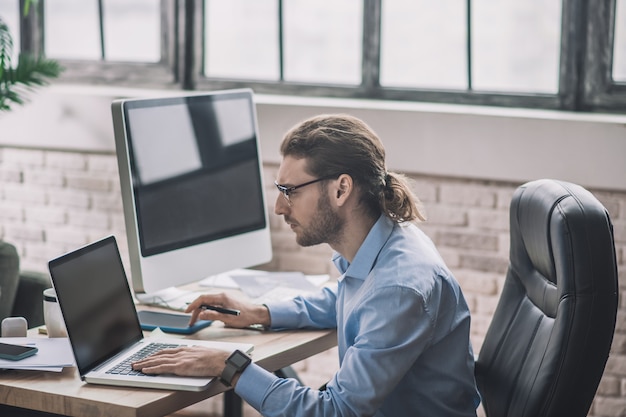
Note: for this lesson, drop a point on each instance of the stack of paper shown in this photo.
(53, 354)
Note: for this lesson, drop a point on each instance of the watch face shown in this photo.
(238, 359)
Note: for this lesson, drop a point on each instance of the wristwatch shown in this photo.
(236, 362)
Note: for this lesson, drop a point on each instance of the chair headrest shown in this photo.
(552, 223)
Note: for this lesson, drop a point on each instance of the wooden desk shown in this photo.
(64, 393)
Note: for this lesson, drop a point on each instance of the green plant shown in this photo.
(30, 71)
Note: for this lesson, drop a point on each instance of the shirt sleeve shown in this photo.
(387, 342)
(311, 311)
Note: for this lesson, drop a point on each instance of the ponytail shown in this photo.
(398, 201)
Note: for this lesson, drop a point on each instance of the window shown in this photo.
(555, 54)
(423, 44)
(241, 40)
(516, 45)
(64, 21)
(504, 46)
(299, 41)
(126, 31)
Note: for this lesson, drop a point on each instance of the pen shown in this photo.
(220, 309)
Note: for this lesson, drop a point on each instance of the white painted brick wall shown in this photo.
(65, 161)
(52, 202)
(467, 195)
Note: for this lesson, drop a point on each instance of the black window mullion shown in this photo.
(176, 48)
(370, 66)
(281, 42)
(169, 39)
(572, 55)
(32, 28)
(101, 27)
(188, 60)
(599, 90)
(469, 44)
(201, 44)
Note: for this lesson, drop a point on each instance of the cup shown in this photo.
(52, 317)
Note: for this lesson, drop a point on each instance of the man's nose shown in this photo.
(281, 206)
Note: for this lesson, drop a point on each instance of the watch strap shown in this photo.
(233, 367)
(228, 374)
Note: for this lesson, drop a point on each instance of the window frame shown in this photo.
(585, 65)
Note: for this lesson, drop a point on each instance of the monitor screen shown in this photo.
(192, 187)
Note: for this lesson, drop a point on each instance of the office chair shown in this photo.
(547, 345)
(9, 277)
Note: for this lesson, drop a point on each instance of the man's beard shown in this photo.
(325, 227)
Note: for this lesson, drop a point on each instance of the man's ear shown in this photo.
(344, 188)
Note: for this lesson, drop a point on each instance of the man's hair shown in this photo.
(342, 144)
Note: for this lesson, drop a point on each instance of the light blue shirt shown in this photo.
(403, 337)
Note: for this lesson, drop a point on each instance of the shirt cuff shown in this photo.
(253, 384)
(281, 314)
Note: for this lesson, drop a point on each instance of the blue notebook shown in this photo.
(169, 322)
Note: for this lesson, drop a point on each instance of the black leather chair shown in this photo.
(547, 345)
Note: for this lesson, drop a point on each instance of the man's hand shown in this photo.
(184, 361)
(249, 313)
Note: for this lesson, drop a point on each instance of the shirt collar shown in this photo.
(367, 254)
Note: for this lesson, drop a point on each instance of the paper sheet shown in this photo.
(54, 354)
(257, 284)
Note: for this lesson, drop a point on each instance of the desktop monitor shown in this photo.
(192, 189)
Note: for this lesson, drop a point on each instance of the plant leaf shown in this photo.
(17, 82)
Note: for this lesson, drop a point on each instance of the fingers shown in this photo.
(249, 313)
(194, 316)
(195, 308)
(219, 300)
(164, 361)
(155, 357)
(189, 361)
(156, 369)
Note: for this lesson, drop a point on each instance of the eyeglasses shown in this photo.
(288, 190)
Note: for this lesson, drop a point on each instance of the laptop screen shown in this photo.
(96, 302)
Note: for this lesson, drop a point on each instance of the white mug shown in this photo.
(52, 317)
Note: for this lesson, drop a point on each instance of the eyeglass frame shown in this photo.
(285, 191)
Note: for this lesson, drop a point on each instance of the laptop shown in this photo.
(101, 320)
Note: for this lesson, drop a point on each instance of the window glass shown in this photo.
(241, 39)
(516, 45)
(323, 41)
(423, 44)
(619, 46)
(132, 30)
(72, 29)
(9, 13)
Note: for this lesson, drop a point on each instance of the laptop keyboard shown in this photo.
(125, 368)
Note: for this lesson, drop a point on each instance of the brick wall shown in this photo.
(54, 201)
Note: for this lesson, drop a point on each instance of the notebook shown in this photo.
(101, 320)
